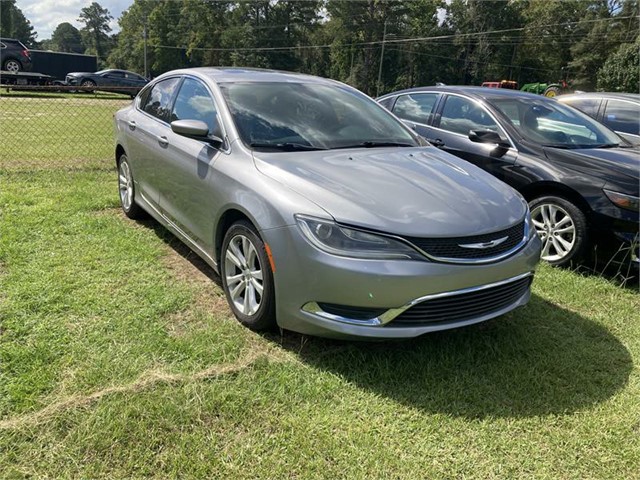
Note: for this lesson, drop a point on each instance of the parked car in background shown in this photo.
(319, 209)
(132, 82)
(580, 178)
(618, 111)
(14, 56)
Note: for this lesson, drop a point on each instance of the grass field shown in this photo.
(119, 358)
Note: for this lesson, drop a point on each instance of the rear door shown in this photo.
(147, 128)
(623, 117)
(416, 110)
(456, 117)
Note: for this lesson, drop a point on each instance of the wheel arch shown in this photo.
(542, 189)
(119, 151)
(228, 218)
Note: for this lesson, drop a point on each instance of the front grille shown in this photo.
(449, 248)
(464, 306)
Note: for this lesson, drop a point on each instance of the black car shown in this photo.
(131, 82)
(581, 179)
(618, 111)
(14, 56)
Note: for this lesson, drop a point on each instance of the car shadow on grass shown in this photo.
(537, 360)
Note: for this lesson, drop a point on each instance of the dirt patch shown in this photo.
(146, 381)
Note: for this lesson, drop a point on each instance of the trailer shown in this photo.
(50, 68)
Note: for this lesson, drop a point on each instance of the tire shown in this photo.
(243, 260)
(88, 84)
(551, 92)
(562, 227)
(12, 65)
(126, 190)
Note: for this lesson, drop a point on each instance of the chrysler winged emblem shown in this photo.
(483, 245)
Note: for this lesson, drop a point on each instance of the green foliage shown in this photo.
(66, 38)
(96, 28)
(621, 71)
(13, 24)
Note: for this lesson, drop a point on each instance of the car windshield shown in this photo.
(552, 124)
(310, 116)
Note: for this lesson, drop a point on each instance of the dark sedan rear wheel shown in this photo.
(12, 66)
(562, 227)
(247, 278)
(127, 191)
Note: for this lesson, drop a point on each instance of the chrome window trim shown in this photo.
(392, 313)
(226, 143)
(481, 105)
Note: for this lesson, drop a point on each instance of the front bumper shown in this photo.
(305, 276)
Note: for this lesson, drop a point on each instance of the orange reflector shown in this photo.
(268, 250)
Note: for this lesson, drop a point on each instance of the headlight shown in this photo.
(622, 200)
(348, 242)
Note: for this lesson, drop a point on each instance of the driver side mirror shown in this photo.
(487, 136)
(196, 129)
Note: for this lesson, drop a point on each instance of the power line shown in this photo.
(379, 42)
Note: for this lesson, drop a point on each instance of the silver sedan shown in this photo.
(321, 212)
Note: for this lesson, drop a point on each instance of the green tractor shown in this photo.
(546, 89)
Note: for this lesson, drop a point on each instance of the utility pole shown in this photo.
(384, 38)
(144, 35)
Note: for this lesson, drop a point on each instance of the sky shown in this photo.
(45, 15)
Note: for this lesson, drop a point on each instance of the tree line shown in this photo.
(374, 45)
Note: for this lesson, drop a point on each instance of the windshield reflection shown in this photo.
(289, 116)
(552, 124)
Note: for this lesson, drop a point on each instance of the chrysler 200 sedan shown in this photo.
(321, 212)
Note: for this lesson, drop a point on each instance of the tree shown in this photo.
(13, 24)
(66, 38)
(96, 29)
(620, 73)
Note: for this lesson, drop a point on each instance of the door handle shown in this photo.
(132, 125)
(163, 141)
(436, 142)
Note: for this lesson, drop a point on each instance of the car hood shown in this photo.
(406, 191)
(613, 165)
(79, 74)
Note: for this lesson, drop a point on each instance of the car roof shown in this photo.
(242, 74)
(472, 91)
(613, 95)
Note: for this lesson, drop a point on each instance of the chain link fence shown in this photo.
(47, 127)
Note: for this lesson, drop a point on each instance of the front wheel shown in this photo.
(247, 278)
(126, 189)
(562, 227)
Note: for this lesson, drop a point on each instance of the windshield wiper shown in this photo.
(374, 144)
(605, 145)
(286, 146)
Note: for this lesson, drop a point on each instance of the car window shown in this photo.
(622, 116)
(416, 107)
(194, 102)
(551, 123)
(387, 102)
(115, 75)
(586, 105)
(158, 101)
(460, 115)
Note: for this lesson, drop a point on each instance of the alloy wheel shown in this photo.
(125, 185)
(12, 66)
(243, 275)
(556, 229)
